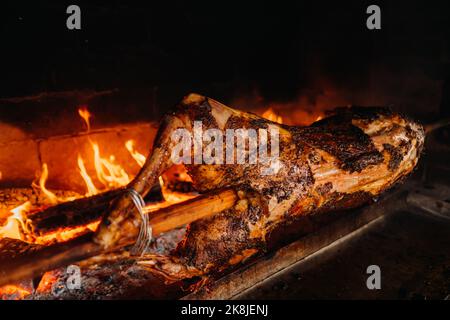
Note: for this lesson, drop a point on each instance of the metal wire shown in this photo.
(145, 232)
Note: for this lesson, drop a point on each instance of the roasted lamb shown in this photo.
(340, 162)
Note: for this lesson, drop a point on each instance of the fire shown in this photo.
(109, 174)
(16, 224)
(51, 197)
(270, 114)
(138, 157)
(91, 189)
(86, 115)
(42, 180)
(297, 116)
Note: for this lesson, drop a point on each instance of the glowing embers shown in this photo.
(14, 292)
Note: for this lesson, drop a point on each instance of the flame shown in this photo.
(51, 197)
(110, 174)
(270, 114)
(42, 180)
(86, 115)
(297, 115)
(91, 189)
(15, 226)
(138, 157)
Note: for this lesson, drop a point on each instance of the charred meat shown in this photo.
(342, 161)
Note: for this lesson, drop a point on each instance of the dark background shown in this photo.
(233, 51)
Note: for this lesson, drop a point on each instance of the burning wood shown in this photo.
(71, 214)
(72, 219)
(27, 266)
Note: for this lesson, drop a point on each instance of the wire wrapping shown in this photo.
(145, 232)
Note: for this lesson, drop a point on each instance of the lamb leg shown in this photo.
(123, 221)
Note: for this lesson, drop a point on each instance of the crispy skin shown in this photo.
(342, 161)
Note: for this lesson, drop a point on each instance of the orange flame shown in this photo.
(15, 226)
(91, 189)
(270, 114)
(86, 115)
(52, 198)
(138, 157)
(110, 174)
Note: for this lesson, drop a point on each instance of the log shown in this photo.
(36, 262)
(73, 213)
(79, 212)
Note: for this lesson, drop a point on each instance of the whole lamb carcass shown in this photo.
(341, 161)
